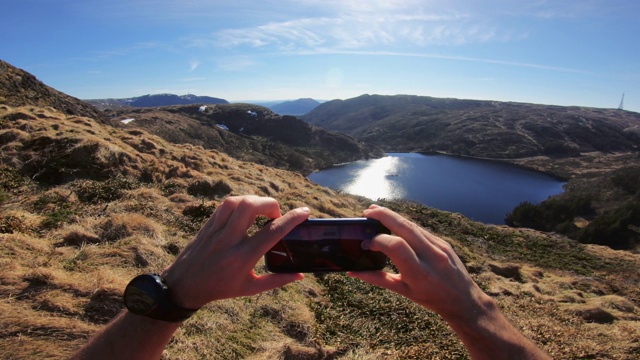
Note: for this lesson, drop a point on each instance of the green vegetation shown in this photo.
(618, 228)
(92, 191)
(56, 208)
(615, 227)
(554, 214)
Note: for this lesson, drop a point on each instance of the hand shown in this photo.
(219, 262)
(431, 274)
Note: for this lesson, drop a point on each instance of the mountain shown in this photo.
(251, 133)
(489, 129)
(154, 100)
(85, 206)
(295, 107)
(20, 88)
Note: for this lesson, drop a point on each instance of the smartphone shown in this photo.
(327, 245)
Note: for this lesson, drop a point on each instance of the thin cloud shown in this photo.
(193, 65)
(359, 31)
(443, 57)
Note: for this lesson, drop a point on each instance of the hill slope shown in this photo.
(19, 88)
(487, 129)
(251, 133)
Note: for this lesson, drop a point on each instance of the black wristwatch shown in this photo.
(148, 295)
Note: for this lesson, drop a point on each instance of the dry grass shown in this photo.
(109, 204)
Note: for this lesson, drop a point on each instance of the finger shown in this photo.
(398, 250)
(271, 233)
(219, 218)
(271, 281)
(382, 279)
(247, 208)
(408, 230)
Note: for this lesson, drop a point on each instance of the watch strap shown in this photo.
(167, 310)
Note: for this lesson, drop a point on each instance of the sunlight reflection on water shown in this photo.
(481, 190)
(377, 180)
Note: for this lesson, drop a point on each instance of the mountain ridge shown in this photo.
(152, 100)
(295, 107)
(479, 128)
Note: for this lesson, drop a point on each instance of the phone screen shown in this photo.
(327, 245)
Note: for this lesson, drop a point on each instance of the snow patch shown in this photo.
(126, 121)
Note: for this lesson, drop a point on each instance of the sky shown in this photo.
(557, 52)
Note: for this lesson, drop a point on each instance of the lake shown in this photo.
(481, 190)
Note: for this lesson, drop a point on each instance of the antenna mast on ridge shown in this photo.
(621, 106)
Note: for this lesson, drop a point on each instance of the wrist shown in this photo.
(479, 310)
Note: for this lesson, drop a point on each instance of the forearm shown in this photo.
(487, 334)
(129, 336)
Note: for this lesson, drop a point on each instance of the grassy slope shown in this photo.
(67, 249)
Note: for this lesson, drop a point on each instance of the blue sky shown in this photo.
(560, 52)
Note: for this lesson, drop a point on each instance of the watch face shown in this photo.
(142, 293)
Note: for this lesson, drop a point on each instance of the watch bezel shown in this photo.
(148, 295)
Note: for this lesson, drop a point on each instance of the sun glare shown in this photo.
(377, 180)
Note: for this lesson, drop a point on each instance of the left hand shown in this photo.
(219, 262)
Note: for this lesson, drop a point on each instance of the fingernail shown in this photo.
(305, 210)
(365, 244)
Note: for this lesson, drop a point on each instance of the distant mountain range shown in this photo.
(295, 107)
(154, 100)
(292, 107)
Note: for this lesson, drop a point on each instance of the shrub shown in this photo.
(173, 186)
(551, 214)
(56, 208)
(10, 180)
(614, 228)
(199, 213)
(628, 179)
(205, 187)
(10, 224)
(92, 191)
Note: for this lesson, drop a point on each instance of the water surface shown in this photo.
(481, 190)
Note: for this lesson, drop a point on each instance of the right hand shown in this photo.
(219, 262)
(431, 274)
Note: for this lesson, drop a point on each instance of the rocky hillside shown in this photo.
(251, 133)
(487, 129)
(19, 88)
